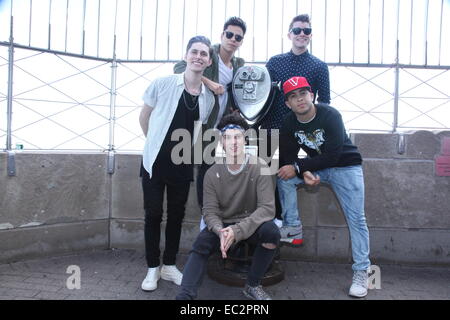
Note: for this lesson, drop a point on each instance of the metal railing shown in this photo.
(75, 80)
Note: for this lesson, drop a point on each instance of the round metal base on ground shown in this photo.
(234, 273)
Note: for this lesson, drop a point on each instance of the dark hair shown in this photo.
(233, 118)
(235, 21)
(301, 18)
(200, 39)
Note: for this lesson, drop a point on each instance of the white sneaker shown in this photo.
(360, 284)
(171, 273)
(278, 222)
(150, 282)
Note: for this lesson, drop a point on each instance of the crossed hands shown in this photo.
(310, 179)
(226, 240)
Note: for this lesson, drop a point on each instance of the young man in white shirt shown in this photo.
(171, 103)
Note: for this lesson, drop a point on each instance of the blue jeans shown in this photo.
(348, 184)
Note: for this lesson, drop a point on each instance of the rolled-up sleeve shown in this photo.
(150, 96)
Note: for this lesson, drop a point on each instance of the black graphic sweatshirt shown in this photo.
(323, 139)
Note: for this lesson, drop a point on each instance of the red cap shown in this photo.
(295, 83)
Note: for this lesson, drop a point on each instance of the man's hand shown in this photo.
(226, 240)
(310, 179)
(215, 87)
(286, 172)
(144, 118)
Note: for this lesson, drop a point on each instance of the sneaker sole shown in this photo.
(170, 279)
(156, 286)
(292, 242)
(356, 296)
(247, 295)
(149, 290)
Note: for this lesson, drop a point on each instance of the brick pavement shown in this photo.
(117, 274)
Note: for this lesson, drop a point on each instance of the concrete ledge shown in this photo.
(319, 207)
(378, 145)
(47, 240)
(59, 203)
(406, 194)
(127, 198)
(429, 247)
(129, 234)
(54, 188)
(417, 144)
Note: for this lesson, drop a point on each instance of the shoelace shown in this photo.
(260, 293)
(360, 278)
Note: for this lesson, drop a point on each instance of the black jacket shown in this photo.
(323, 139)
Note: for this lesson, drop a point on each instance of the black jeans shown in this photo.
(177, 195)
(208, 242)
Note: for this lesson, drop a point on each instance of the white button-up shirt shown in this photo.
(163, 95)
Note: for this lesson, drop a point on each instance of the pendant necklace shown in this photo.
(193, 99)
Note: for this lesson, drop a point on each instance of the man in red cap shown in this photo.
(318, 129)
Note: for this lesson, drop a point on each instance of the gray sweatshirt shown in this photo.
(246, 198)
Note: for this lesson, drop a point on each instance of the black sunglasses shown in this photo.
(230, 35)
(297, 31)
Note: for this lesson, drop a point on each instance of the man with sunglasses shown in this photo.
(218, 76)
(224, 64)
(297, 62)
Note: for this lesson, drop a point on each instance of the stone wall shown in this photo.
(60, 203)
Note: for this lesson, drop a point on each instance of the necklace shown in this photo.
(308, 121)
(193, 101)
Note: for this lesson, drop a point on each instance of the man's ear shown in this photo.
(289, 36)
(287, 104)
(210, 62)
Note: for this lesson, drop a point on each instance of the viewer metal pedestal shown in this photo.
(233, 271)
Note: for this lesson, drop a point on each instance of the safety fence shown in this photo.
(73, 72)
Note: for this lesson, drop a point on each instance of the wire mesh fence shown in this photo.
(79, 68)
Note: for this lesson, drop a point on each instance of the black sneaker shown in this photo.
(256, 293)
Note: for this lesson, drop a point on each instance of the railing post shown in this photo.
(397, 88)
(10, 89)
(11, 163)
(112, 111)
